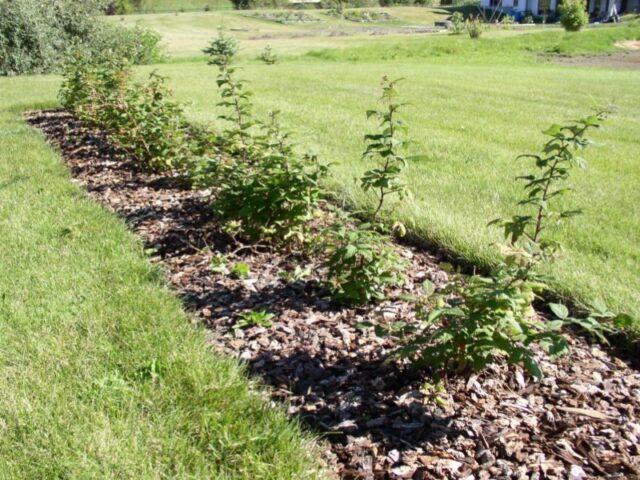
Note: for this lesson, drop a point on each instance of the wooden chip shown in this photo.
(586, 413)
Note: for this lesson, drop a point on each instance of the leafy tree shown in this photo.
(36, 35)
(573, 15)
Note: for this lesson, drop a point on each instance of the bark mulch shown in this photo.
(380, 419)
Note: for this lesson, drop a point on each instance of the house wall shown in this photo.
(606, 7)
(532, 6)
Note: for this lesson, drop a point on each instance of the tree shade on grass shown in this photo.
(103, 376)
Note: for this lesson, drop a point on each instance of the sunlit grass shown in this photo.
(469, 123)
(186, 34)
(86, 319)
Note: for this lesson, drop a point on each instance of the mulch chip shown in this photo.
(380, 419)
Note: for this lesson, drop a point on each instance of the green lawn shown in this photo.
(153, 6)
(474, 106)
(186, 34)
(103, 375)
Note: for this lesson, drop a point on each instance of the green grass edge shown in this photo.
(104, 375)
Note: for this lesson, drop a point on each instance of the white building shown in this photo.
(597, 8)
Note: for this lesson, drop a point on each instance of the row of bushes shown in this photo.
(35, 35)
(140, 118)
(271, 196)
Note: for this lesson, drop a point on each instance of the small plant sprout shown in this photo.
(240, 270)
(384, 147)
(267, 55)
(299, 273)
(219, 264)
(260, 318)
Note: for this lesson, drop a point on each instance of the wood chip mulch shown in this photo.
(380, 419)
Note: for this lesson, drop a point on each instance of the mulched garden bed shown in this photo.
(380, 419)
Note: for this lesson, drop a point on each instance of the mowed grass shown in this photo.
(152, 6)
(186, 34)
(103, 376)
(470, 118)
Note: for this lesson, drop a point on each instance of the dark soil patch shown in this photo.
(624, 60)
(380, 418)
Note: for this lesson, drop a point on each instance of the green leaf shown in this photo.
(428, 288)
(553, 130)
(623, 321)
(559, 310)
(532, 366)
(350, 251)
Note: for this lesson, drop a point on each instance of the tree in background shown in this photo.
(36, 34)
(573, 15)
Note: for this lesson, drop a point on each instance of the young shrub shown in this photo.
(237, 139)
(260, 318)
(475, 27)
(361, 262)
(488, 318)
(240, 271)
(142, 119)
(94, 89)
(152, 127)
(457, 23)
(491, 318)
(507, 22)
(265, 189)
(140, 46)
(272, 199)
(221, 50)
(78, 80)
(267, 55)
(545, 187)
(573, 15)
(384, 148)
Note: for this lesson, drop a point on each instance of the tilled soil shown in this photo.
(624, 59)
(380, 419)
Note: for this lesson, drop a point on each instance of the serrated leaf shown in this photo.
(559, 310)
